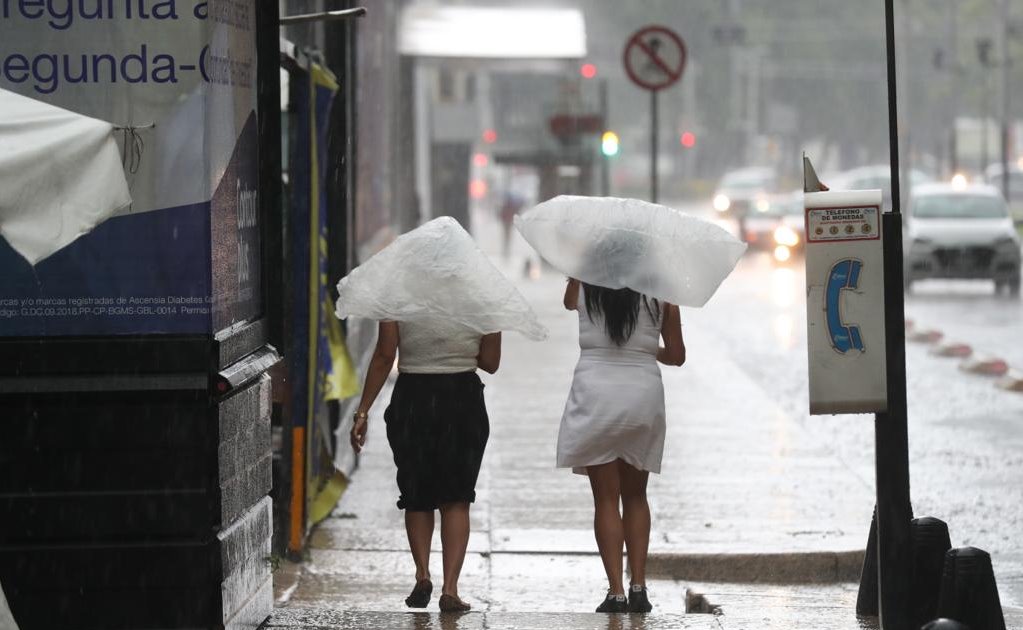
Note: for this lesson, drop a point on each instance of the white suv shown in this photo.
(961, 232)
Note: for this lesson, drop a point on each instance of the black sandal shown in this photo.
(420, 595)
(450, 603)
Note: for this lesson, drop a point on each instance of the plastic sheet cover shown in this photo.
(617, 243)
(60, 175)
(436, 273)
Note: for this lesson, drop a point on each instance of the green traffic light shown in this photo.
(609, 143)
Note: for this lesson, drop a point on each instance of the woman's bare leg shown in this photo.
(454, 539)
(419, 528)
(635, 519)
(607, 521)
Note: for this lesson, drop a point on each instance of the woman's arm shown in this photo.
(379, 367)
(572, 294)
(674, 350)
(489, 358)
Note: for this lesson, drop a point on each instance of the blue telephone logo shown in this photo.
(844, 275)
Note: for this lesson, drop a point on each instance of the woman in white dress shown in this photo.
(613, 426)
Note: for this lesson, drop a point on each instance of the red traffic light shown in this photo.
(489, 136)
(688, 139)
(588, 70)
(477, 189)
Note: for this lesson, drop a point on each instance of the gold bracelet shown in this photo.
(361, 414)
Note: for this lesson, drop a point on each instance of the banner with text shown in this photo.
(177, 79)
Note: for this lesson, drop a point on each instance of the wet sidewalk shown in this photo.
(755, 524)
(745, 496)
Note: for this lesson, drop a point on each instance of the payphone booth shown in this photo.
(845, 302)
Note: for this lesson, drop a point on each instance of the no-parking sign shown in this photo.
(654, 57)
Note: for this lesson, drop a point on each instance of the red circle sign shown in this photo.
(654, 57)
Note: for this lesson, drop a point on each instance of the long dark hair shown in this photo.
(619, 308)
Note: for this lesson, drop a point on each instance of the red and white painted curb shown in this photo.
(986, 365)
(952, 349)
(925, 335)
(975, 363)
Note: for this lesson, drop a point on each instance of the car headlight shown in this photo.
(1006, 241)
(722, 203)
(784, 235)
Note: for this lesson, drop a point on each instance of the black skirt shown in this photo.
(437, 427)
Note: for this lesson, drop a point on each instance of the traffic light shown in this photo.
(688, 139)
(588, 70)
(609, 143)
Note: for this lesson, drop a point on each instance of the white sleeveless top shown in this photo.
(436, 348)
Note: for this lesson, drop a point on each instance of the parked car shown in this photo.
(961, 231)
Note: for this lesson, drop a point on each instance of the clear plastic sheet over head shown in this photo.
(616, 243)
(436, 273)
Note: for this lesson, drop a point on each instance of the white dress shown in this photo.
(615, 408)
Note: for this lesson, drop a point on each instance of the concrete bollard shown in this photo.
(944, 624)
(968, 590)
(930, 544)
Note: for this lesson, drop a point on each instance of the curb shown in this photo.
(814, 567)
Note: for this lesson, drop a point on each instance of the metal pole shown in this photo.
(955, 71)
(605, 160)
(984, 161)
(1005, 99)
(325, 16)
(653, 146)
(891, 439)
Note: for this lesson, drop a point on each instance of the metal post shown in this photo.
(653, 146)
(1006, 92)
(891, 440)
(955, 71)
(268, 95)
(605, 160)
(985, 132)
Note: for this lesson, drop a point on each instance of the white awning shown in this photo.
(60, 175)
(492, 32)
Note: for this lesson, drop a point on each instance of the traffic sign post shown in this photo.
(654, 59)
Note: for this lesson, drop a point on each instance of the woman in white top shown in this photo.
(437, 427)
(613, 426)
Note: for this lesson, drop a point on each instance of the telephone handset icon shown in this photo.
(844, 274)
